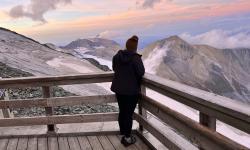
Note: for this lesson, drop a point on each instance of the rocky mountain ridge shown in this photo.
(221, 71)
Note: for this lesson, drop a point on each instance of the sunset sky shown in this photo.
(220, 23)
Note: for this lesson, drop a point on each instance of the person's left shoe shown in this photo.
(126, 141)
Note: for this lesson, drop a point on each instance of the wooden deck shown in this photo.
(99, 142)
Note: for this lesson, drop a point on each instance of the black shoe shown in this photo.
(126, 141)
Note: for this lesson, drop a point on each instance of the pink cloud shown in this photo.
(136, 19)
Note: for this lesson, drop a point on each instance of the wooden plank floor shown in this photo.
(100, 142)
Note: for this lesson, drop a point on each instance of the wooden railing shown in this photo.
(48, 102)
(203, 133)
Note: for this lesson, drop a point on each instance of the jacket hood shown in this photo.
(126, 56)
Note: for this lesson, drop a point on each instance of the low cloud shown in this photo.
(36, 9)
(147, 3)
(109, 34)
(220, 38)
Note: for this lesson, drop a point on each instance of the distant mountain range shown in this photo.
(222, 71)
(102, 48)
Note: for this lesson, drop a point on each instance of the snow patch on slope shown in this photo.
(155, 58)
(100, 60)
(81, 53)
(57, 62)
(81, 50)
(99, 47)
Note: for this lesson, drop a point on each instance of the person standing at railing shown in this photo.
(129, 70)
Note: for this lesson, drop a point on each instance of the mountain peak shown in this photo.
(172, 39)
(175, 38)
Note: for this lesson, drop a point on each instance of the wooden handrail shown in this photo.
(56, 80)
(225, 109)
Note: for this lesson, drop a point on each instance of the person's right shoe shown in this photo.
(126, 141)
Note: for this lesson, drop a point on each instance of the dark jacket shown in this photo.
(129, 69)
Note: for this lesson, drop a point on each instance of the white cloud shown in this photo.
(220, 38)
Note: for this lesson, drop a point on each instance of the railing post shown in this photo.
(142, 111)
(6, 112)
(208, 121)
(48, 110)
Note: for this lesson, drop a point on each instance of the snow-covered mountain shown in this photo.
(97, 47)
(222, 71)
(21, 52)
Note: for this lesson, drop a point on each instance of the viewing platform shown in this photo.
(80, 132)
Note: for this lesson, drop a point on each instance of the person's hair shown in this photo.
(132, 43)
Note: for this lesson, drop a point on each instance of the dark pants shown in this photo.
(127, 104)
